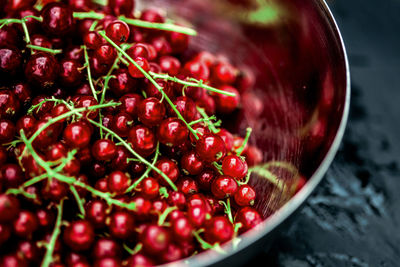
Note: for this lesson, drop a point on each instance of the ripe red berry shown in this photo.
(210, 147)
(9, 104)
(151, 111)
(118, 31)
(224, 73)
(79, 235)
(130, 103)
(155, 239)
(227, 104)
(187, 185)
(57, 18)
(149, 188)
(7, 131)
(5, 233)
(10, 60)
(77, 135)
(136, 72)
(25, 224)
(11, 175)
(92, 40)
(143, 140)
(140, 260)
(105, 54)
(123, 83)
(106, 248)
(234, 166)
(42, 70)
(191, 163)
(96, 213)
(121, 7)
(104, 150)
(70, 75)
(169, 168)
(218, 229)
(172, 132)
(9, 208)
(118, 182)
(177, 199)
(248, 217)
(245, 195)
(121, 225)
(224, 186)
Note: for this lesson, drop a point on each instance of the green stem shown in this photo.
(146, 173)
(158, 26)
(196, 83)
(88, 15)
(89, 73)
(17, 191)
(44, 49)
(48, 257)
(211, 126)
(164, 215)
(239, 151)
(205, 245)
(78, 199)
(134, 251)
(228, 210)
(148, 76)
(130, 149)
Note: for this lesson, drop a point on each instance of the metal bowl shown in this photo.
(301, 102)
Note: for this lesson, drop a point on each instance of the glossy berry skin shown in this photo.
(54, 190)
(226, 104)
(11, 175)
(41, 40)
(151, 111)
(77, 135)
(118, 182)
(106, 248)
(105, 54)
(149, 188)
(224, 186)
(138, 50)
(25, 224)
(245, 195)
(121, 7)
(169, 168)
(182, 229)
(57, 18)
(104, 150)
(197, 215)
(205, 179)
(28, 251)
(120, 162)
(134, 71)
(170, 65)
(122, 124)
(155, 239)
(223, 73)
(248, 217)
(9, 104)
(172, 132)
(70, 75)
(152, 15)
(23, 92)
(186, 107)
(179, 42)
(187, 185)
(7, 131)
(139, 260)
(234, 166)
(143, 140)
(42, 69)
(96, 213)
(197, 70)
(79, 235)
(92, 40)
(191, 163)
(85, 102)
(118, 31)
(10, 60)
(210, 147)
(9, 208)
(218, 229)
(123, 83)
(121, 225)
(130, 104)
(177, 199)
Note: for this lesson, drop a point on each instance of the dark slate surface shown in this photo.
(353, 219)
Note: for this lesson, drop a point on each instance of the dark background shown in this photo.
(353, 219)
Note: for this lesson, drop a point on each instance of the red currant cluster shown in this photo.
(110, 149)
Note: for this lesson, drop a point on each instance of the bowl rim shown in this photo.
(267, 226)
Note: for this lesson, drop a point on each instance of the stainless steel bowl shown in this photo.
(296, 52)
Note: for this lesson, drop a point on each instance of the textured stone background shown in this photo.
(353, 218)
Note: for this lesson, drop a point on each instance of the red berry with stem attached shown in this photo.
(218, 230)
(118, 31)
(41, 40)
(120, 162)
(185, 106)
(121, 225)
(118, 182)
(92, 40)
(197, 70)
(104, 150)
(191, 163)
(79, 235)
(105, 54)
(138, 50)
(151, 111)
(224, 186)
(149, 188)
(70, 75)
(54, 190)
(155, 239)
(227, 104)
(57, 18)
(136, 72)
(25, 224)
(143, 140)
(122, 123)
(210, 147)
(9, 208)
(234, 166)
(245, 195)
(48, 135)
(172, 132)
(169, 168)
(7, 131)
(142, 208)
(77, 135)
(42, 69)
(248, 217)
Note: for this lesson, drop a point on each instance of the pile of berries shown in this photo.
(111, 153)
